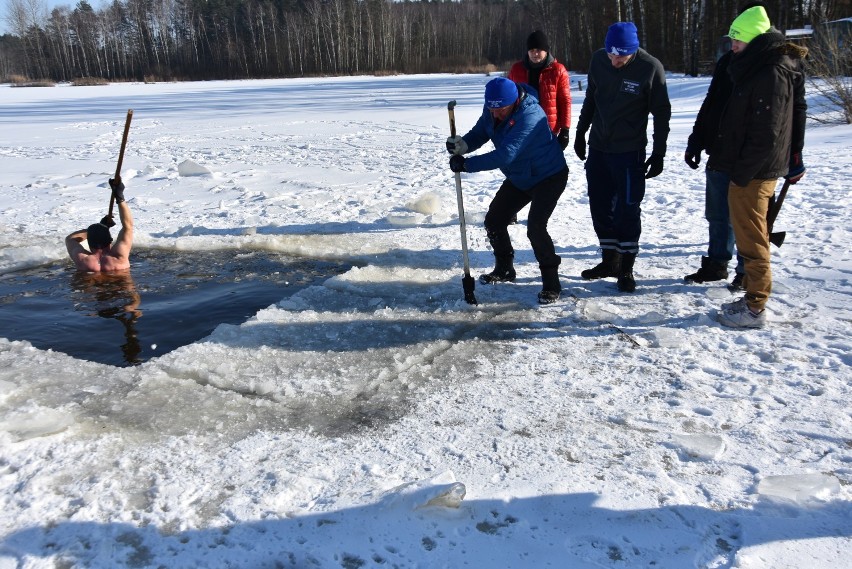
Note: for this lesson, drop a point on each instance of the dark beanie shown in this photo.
(98, 236)
(537, 40)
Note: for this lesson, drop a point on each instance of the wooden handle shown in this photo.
(117, 177)
(123, 144)
(451, 110)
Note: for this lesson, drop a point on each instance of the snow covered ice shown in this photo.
(377, 420)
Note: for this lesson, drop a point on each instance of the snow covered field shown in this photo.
(341, 426)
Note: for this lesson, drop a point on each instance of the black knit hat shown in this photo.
(537, 40)
(98, 236)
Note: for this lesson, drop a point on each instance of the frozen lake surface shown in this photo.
(339, 424)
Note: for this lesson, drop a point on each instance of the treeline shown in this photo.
(232, 39)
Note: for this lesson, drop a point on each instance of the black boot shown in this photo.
(737, 284)
(608, 267)
(710, 271)
(550, 287)
(626, 282)
(503, 271)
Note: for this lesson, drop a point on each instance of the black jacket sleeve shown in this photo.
(707, 121)
(800, 111)
(587, 111)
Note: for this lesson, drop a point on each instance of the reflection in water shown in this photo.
(111, 295)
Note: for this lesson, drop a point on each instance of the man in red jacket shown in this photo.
(540, 70)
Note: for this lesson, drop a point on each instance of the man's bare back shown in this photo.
(102, 260)
(103, 254)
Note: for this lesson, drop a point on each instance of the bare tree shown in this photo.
(21, 15)
(205, 39)
(830, 67)
(26, 19)
(693, 22)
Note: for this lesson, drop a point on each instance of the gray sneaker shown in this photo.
(742, 319)
(736, 306)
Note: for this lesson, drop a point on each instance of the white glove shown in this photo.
(456, 145)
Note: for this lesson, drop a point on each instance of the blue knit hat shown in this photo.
(500, 92)
(622, 39)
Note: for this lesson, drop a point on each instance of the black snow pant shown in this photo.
(616, 188)
(509, 200)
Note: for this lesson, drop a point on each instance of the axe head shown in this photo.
(777, 239)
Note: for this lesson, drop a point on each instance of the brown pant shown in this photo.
(748, 206)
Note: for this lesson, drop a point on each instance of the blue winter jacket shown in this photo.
(525, 149)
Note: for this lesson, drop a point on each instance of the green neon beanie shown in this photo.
(750, 24)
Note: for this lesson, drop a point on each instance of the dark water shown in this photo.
(167, 300)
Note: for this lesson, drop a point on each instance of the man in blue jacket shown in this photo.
(626, 83)
(528, 154)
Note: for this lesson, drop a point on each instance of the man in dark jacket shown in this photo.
(720, 249)
(626, 83)
(526, 152)
(761, 136)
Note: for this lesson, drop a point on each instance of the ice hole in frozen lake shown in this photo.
(169, 299)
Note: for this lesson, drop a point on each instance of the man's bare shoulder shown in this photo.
(86, 262)
(100, 262)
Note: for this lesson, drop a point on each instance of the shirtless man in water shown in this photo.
(103, 255)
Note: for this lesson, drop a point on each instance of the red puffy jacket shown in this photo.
(554, 92)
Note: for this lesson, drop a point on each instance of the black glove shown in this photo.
(580, 145)
(797, 168)
(653, 166)
(457, 163)
(563, 138)
(692, 158)
(108, 221)
(117, 190)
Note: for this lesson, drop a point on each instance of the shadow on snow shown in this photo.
(565, 530)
